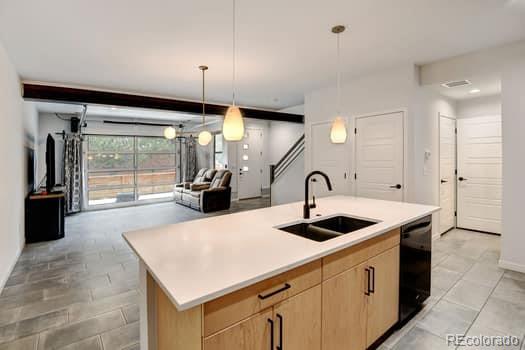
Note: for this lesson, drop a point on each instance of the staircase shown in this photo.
(286, 176)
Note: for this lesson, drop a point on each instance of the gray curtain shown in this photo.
(191, 158)
(72, 172)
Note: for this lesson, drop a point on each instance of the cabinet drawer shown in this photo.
(347, 258)
(232, 308)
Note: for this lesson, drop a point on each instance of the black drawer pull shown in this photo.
(373, 270)
(271, 333)
(286, 287)
(280, 346)
(368, 281)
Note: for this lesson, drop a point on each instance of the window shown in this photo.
(218, 154)
(123, 169)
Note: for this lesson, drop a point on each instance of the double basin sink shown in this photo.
(324, 229)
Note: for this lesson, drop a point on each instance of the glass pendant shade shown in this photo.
(338, 131)
(204, 138)
(233, 126)
(170, 133)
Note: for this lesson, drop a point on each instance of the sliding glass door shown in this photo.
(124, 170)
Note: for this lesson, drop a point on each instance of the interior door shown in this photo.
(250, 334)
(298, 321)
(479, 174)
(329, 158)
(344, 310)
(250, 164)
(447, 168)
(380, 156)
(383, 302)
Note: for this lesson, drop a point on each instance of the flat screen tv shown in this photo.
(50, 163)
(30, 155)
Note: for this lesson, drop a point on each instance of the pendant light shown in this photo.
(170, 133)
(233, 125)
(205, 135)
(338, 131)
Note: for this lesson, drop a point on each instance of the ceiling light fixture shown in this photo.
(170, 133)
(474, 91)
(205, 135)
(338, 131)
(233, 126)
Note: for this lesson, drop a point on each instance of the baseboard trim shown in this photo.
(511, 266)
(3, 281)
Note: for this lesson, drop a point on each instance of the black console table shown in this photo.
(44, 217)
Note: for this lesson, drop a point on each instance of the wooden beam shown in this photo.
(49, 93)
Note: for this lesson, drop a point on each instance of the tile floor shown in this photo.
(80, 292)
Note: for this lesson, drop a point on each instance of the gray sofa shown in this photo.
(203, 195)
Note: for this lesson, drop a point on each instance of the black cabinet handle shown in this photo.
(368, 281)
(373, 270)
(280, 346)
(286, 286)
(444, 181)
(461, 178)
(398, 186)
(271, 333)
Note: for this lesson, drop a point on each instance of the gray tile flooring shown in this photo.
(80, 292)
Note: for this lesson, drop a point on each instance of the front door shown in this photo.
(380, 156)
(447, 168)
(479, 174)
(250, 164)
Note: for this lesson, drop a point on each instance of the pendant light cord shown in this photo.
(338, 76)
(233, 61)
(203, 99)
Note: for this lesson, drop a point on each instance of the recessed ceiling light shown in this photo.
(474, 91)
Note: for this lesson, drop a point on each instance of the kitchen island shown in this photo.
(239, 282)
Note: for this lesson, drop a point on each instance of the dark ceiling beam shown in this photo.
(59, 94)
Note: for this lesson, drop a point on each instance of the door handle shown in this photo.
(398, 186)
(461, 178)
(270, 321)
(368, 281)
(373, 271)
(444, 181)
(280, 346)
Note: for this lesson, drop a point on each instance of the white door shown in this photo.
(380, 156)
(330, 158)
(447, 169)
(479, 174)
(250, 164)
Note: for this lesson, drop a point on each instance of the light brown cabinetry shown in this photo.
(344, 301)
(361, 303)
(252, 333)
(383, 301)
(345, 310)
(298, 321)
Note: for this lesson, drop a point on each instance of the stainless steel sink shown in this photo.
(325, 229)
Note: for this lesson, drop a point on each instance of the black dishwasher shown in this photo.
(415, 267)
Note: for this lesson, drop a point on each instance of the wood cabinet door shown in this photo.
(345, 310)
(298, 321)
(383, 302)
(251, 334)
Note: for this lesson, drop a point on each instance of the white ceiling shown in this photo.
(119, 113)
(285, 48)
(487, 86)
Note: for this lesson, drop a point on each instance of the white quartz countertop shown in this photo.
(201, 260)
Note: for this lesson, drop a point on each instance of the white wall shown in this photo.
(479, 106)
(396, 89)
(18, 129)
(513, 120)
